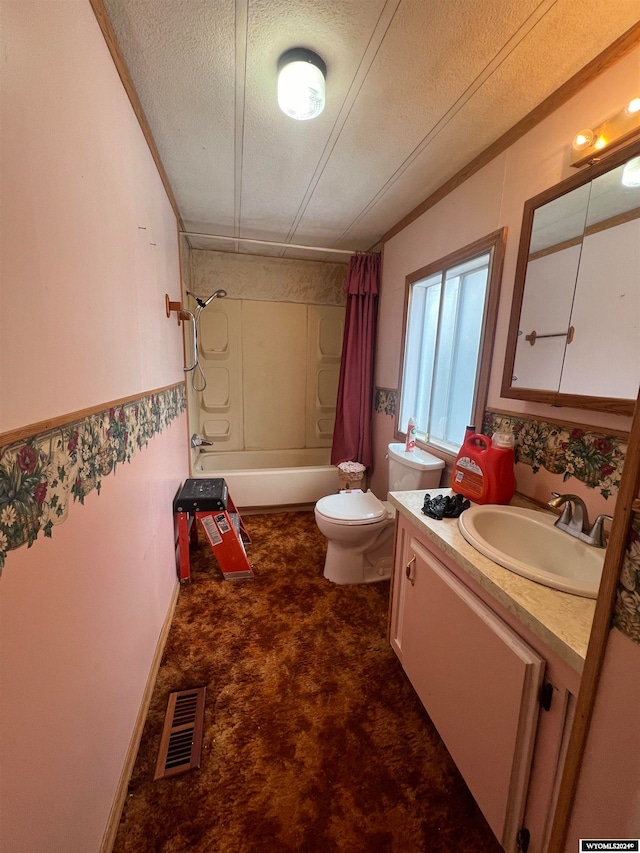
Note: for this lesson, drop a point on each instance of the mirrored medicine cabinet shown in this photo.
(574, 335)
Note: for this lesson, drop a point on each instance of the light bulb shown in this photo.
(633, 107)
(301, 84)
(583, 140)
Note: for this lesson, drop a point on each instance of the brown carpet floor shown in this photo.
(314, 739)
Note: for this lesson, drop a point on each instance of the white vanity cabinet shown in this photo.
(481, 683)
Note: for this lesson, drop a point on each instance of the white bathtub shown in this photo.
(266, 478)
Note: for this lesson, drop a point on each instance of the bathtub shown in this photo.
(266, 478)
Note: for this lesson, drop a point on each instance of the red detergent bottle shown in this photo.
(484, 469)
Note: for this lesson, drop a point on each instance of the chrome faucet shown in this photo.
(574, 520)
(199, 441)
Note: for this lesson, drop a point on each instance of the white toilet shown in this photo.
(359, 527)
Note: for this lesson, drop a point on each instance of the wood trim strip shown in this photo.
(495, 243)
(608, 57)
(558, 247)
(488, 333)
(620, 219)
(25, 432)
(605, 605)
(111, 39)
(603, 225)
(113, 821)
(612, 405)
(526, 416)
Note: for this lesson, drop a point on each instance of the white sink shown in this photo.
(526, 542)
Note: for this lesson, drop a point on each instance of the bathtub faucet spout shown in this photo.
(199, 441)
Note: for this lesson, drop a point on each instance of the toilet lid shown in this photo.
(356, 507)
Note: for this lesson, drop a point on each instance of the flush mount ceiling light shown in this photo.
(301, 76)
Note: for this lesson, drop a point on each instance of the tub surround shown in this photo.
(562, 621)
(258, 277)
(271, 371)
(270, 354)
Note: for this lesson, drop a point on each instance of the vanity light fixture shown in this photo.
(301, 83)
(588, 143)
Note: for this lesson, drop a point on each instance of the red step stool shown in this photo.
(208, 501)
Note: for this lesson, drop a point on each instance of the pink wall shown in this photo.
(608, 801)
(82, 323)
(494, 198)
(608, 797)
(80, 616)
(83, 313)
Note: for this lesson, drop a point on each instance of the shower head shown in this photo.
(219, 294)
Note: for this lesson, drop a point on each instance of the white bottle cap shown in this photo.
(502, 440)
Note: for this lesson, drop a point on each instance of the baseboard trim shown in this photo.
(115, 814)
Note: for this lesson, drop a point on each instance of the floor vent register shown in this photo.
(181, 742)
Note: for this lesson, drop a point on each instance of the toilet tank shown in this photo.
(413, 469)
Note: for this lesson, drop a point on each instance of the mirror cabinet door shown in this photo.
(552, 271)
(575, 322)
(606, 307)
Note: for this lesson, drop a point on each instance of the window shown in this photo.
(450, 324)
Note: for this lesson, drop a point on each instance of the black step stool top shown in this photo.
(201, 495)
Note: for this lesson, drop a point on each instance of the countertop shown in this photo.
(561, 620)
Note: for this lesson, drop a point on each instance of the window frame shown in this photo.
(494, 244)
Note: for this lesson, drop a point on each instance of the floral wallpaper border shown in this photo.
(627, 608)
(597, 460)
(385, 401)
(594, 458)
(39, 475)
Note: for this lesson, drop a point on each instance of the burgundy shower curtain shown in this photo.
(352, 431)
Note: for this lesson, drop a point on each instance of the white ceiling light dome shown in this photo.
(301, 89)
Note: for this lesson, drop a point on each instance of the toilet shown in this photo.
(359, 527)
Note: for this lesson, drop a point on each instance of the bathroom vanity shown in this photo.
(496, 661)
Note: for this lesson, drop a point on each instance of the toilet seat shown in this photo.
(352, 508)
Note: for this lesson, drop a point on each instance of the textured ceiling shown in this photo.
(415, 90)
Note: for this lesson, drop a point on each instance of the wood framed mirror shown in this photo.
(574, 334)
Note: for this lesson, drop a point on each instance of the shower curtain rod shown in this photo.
(266, 243)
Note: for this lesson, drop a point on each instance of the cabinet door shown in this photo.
(478, 681)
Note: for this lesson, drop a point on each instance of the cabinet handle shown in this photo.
(408, 569)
